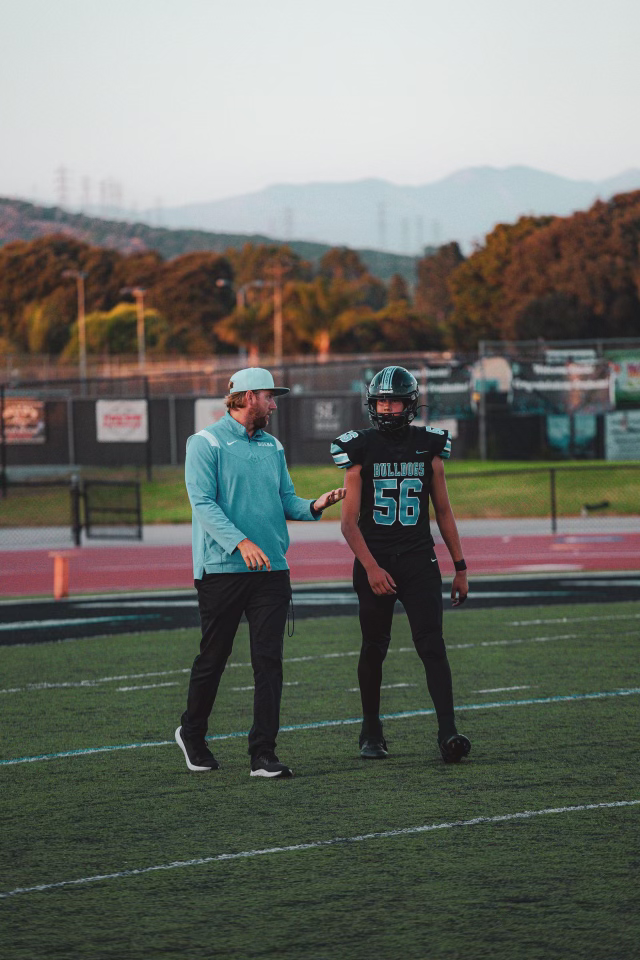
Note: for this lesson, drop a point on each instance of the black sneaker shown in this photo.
(196, 752)
(373, 745)
(454, 748)
(266, 764)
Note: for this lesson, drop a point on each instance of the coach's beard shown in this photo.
(261, 422)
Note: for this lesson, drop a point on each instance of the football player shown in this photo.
(392, 469)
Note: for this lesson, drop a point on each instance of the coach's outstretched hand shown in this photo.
(459, 588)
(329, 498)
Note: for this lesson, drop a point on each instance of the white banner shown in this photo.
(622, 435)
(121, 421)
(208, 410)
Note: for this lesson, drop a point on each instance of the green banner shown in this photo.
(626, 368)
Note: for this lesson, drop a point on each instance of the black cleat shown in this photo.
(373, 745)
(454, 748)
(371, 749)
(266, 764)
(196, 752)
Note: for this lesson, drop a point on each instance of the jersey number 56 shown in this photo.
(387, 508)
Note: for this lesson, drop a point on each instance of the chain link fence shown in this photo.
(37, 514)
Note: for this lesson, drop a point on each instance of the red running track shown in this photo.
(140, 567)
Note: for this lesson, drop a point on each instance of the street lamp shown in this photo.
(78, 276)
(138, 294)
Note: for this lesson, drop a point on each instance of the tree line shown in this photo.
(543, 277)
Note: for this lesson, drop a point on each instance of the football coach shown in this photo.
(241, 496)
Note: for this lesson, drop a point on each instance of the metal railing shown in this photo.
(564, 491)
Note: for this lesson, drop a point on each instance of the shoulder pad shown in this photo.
(440, 442)
(346, 448)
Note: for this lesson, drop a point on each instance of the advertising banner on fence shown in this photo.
(626, 369)
(121, 421)
(584, 387)
(446, 390)
(23, 420)
(622, 435)
(207, 410)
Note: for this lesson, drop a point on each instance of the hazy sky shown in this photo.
(193, 100)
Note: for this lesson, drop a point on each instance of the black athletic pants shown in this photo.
(222, 599)
(419, 587)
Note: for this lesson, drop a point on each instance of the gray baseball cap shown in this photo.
(255, 378)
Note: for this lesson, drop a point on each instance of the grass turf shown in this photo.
(560, 885)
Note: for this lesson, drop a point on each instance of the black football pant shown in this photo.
(419, 587)
(222, 599)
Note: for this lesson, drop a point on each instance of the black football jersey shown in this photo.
(396, 477)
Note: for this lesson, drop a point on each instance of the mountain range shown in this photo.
(377, 214)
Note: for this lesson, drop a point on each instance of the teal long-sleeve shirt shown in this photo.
(239, 486)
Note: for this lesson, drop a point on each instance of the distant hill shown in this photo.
(376, 214)
(20, 220)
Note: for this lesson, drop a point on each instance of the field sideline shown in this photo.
(529, 849)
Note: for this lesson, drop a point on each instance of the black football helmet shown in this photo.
(393, 383)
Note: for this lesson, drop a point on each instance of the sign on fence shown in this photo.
(583, 387)
(24, 420)
(208, 410)
(122, 421)
(626, 368)
(622, 435)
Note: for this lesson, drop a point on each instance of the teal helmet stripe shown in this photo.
(387, 378)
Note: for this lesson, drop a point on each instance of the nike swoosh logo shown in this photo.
(229, 442)
(421, 451)
(434, 559)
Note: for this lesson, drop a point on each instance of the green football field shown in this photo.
(527, 850)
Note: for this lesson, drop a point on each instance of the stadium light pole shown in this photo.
(78, 276)
(241, 303)
(138, 294)
(278, 271)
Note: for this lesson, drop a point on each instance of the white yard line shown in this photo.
(30, 687)
(318, 844)
(537, 623)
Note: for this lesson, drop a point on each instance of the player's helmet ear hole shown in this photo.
(393, 383)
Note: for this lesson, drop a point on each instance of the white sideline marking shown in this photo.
(384, 686)
(290, 683)
(147, 686)
(317, 844)
(28, 688)
(501, 689)
(537, 623)
(70, 622)
(320, 724)
(92, 683)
